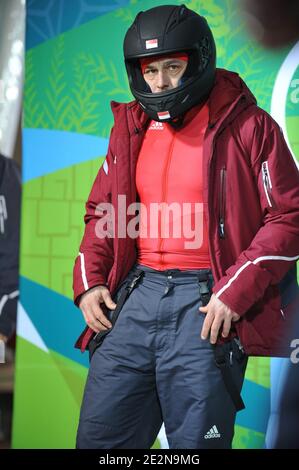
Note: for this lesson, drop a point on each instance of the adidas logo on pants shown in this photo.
(212, 433)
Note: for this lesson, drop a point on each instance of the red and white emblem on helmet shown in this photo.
(151, 43)
(164, 115)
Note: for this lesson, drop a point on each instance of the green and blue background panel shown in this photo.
(74, 68)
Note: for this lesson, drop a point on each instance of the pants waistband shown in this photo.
(200, 274)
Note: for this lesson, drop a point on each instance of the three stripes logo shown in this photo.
(213, 433)
(156, 126)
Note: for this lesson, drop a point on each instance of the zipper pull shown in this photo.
(222, 196)
(114, 160)
(221, 229)
(267, 183)
(265, 174)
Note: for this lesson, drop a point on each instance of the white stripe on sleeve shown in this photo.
(83, 272)
(257, 260)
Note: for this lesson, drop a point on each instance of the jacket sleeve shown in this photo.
(275, 247)
(95, 257)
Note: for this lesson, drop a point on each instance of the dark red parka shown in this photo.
(251, 196)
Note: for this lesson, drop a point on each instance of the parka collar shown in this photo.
(229, 89)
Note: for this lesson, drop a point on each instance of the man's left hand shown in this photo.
(217, 314)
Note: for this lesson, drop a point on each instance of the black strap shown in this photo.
(223, 362)
(204, 292)
(205, 283)
(130, 285)
(137, 275)
(222, 355)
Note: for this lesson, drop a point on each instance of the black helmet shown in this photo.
(165, 30)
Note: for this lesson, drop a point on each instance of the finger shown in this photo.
(108, 300)
(215, 330)
(92, 322)
(226, 327)
(100, 316)
(206, 326)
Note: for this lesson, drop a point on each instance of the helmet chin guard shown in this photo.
(163, 31)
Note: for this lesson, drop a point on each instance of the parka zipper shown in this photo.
(164, 193)
(222, 196)
(210, 217)
(267, 183)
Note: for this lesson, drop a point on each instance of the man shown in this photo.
(169, 343)
(10, 202)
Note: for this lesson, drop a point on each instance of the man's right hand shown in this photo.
(90, 306)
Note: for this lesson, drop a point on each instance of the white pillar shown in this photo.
(12, 36)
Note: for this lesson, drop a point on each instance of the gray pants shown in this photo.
(154, 367)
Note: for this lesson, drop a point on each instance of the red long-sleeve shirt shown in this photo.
(169, 181)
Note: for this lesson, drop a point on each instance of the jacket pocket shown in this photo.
(262, 329)
(267, 183)
(222, 202)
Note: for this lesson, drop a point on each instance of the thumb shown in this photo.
(108, 301)
(236, 317)
(204, 309)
